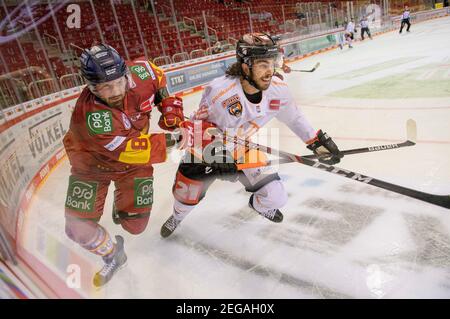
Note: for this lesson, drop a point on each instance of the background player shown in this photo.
(240, 103)
(405, 19)
(284, 67)
(364, 23)
(349, 34)
(108, 141)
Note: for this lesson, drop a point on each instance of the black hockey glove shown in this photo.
(326, 150)
(221, 161)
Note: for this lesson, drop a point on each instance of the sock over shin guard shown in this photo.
(101, 244)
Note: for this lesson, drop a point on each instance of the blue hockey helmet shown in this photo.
(102, 63)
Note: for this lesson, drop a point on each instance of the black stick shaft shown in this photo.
(439, 200)
(370, 149)
(312, 70)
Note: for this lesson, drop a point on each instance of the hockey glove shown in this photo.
(286, 68)
(221, 161)
(199, 138)
(324, 147)
(171, 109)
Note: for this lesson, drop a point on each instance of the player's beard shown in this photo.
(115, 101)
(263, 82)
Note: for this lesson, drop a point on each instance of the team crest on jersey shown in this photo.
(235, 109)
(233, 105)
(147, 105)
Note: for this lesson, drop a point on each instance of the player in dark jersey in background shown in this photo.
(364, 23)
(405, 19)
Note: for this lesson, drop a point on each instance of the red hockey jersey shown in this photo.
(106, 140)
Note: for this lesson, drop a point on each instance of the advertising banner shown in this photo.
(25, 147)
(196, 75)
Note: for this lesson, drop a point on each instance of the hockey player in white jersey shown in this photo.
(241, 102)
(349, 34)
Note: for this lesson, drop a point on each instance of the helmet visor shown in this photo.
(256, 53)
(275, 60)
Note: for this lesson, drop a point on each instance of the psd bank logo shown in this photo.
(143, 192)
(99, 122)
(81, 195)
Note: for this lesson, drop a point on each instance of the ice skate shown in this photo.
(112, 264)
(273, 215)
(169, 226)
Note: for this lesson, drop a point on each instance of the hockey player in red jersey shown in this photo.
(107, 141)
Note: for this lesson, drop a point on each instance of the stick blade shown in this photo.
(411, 130)
(315, 67)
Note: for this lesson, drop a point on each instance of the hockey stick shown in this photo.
(369, 149)
(312, 70)
(439, 200)
(411, 136)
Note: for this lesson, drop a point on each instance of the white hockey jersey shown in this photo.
(350, 27)
(225, 104)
